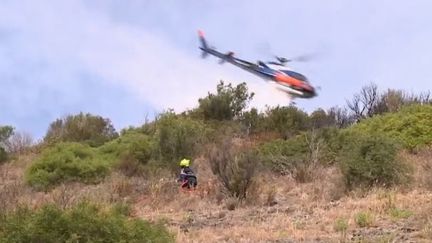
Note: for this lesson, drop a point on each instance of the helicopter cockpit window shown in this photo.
(295, 75)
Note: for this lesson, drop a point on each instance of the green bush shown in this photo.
(287, 120)
(364, 219)
(253, 121)
(397, 213)
(341, 225)
(411, 126)
(66, 162)
(371, 159)
(5, 133)
(284, 156)
(177, 137)
(3, 155)
(87, 128)
(132, 144)
(300, 155)
(227, 104)
(82, 223)
(319, 119)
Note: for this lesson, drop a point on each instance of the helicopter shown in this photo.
(292, 83)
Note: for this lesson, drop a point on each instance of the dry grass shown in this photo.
(303, 212)
(422, 162)
(276, 208)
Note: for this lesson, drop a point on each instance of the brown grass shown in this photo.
(422, 162)
(276, 207)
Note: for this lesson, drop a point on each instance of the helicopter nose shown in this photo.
(310, 91)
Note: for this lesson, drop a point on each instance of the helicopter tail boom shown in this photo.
(204, 46)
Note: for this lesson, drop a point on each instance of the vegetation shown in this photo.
(3, 155)
(234, 167)
(367, 152)
(82, 223)
(370, 102)
(397, 213)
(244, 155)
(300, 155)
(287, 121)
(371, 159)
(133, 144)
(411, 126)
(227, 104)
(66, 162)
(5, 133)
(130, 153)
(18, 142)
(86, 128)
(177, 137)
(341, 225)
(364, 219)
(284, 156)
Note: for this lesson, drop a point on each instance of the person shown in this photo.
(187, 176)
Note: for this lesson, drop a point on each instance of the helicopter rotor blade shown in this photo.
(304, 58)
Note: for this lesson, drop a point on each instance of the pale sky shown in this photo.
(127, 60)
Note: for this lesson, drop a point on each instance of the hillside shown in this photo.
(280, 175)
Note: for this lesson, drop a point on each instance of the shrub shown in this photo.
(300, 155)
(397, 213)
(131, 144)
(287, 121)
(3, 155)
(177, 137)
(253, 121)
(319, 119)
(340, 116)
(5, 133)
(411, 126)
(234, 167)
(371, 159)
(93, 130)
(284, 156)
(66, 162)
(18, 142)
(82, 223)
(341, 225)
(364, 219)
(227, 104)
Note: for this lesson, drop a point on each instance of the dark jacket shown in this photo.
(188, 178)
(186, 172)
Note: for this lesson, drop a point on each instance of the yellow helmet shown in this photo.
(185, 162)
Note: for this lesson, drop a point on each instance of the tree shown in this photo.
(177, 137)
(5, 133)
(364, 104)
(252, 121)
(393, 100)
(87, 128)
(340, 116)
(319, 119)
(227, 104)
(18, 142)
(287, 120)
(370, 102)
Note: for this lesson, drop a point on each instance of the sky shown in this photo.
(129, 60)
